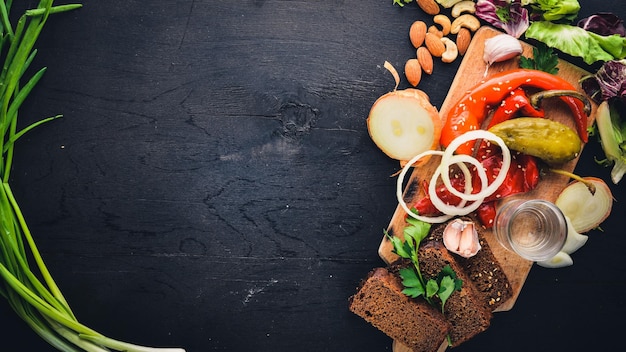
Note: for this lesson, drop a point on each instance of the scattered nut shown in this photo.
(434, 44)
(434, 30)
(447, 3)
(467, 20)
(425, 59)
(451, 52)
(429, 6)
(417, 32)
(413, 72)
(463, 39)
(468, 6)
(444, 22)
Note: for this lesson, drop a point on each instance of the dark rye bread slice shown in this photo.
(464, 309)
(412, 322)
(483, 269)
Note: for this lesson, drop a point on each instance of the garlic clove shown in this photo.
(460, 237)
(500, 48)
(452, 235)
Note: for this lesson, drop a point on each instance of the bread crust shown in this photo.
(483, 270)
(464, 309)
(412, 322)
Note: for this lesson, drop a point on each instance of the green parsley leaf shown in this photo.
(446, 287)
(441, 286)
(432, 287)
(409, 277)
(413, 292)
(399, 247)
(401, 2)
(417, 229)
(544, 59)
(447, 271)
(412, 283)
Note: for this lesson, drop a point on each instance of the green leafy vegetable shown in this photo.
(555, 10)
(29, 287)
(414, 284)
(591, 47)
(401, 2)
(544, 59)
(612, 133)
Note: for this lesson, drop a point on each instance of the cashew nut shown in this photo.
(463, 6)
(447, 3)
(444, 22)
(451, 52)
(467, 20)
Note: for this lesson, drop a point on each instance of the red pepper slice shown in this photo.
(486, 214)
(516, 102)
(469, 113)
(523, 176)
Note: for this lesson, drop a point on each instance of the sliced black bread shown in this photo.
(412, 322)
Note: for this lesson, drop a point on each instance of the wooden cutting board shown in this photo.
(471, 71)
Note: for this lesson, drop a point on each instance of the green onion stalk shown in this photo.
(25, 281)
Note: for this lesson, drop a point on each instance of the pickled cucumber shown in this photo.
(551, 141)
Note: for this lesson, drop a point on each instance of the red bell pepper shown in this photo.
(516, 103)
(470, 112)
(522, 176)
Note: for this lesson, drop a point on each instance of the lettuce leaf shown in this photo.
(555, 10)
(575, 41)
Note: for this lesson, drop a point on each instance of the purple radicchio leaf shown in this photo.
(603, 23)
(608, 82)
(511, 17)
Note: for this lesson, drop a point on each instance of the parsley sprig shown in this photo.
(441, 286)
(544, 59)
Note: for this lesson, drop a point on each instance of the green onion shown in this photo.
(25, 281)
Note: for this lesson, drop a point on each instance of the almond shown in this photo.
(429, 6)
(434, 30)
(425, 59)
(463, 39)
(434, 44)
(413, 72)
(417, 33)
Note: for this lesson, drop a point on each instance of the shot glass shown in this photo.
(534, 229)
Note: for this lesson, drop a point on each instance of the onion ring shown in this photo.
(443, 169)
(399, 190)
(497, 182)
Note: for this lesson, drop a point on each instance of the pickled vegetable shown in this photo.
(551, 141)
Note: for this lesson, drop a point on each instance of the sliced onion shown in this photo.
(447, 160)
(443, 168)
(586, 210)
(399, 190)
(497, 182)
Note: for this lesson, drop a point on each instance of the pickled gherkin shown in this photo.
(551, 141)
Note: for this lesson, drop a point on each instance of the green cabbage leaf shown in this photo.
(575, 41)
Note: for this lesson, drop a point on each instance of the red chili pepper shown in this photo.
(516, 102)
(469, 113)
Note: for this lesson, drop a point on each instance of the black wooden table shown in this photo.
(212, 184)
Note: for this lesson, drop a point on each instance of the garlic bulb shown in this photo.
(501, 48)
(460, 237)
